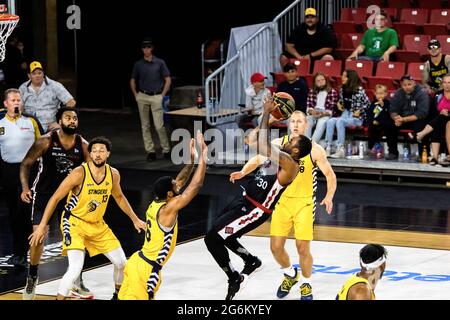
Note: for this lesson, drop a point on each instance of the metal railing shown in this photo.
(224, 88)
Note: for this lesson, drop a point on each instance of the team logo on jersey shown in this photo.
(93, 205)
(63, 165)
(2, 131)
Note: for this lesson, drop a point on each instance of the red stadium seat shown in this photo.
(440, 16)
(278, 77)
(309, 80)
(415, 70)
(445, 43)
(330, 68)
(370, 94)
(434, 29)
(392, 13)
(430, 4)
(357, 15)
(416, 42)
(303, 66)
(386, 73)
(407, 56)
(391, 94)
(417, 16)
(404, 28)
(351, 40)
(344, 27)
(399, 4)
(364, 68)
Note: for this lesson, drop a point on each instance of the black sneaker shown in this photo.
(391, 156)
(251, 267)
(30, 288)
(234, 285)
(151, 157)
(115, 296)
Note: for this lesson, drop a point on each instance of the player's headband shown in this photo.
(373, 265)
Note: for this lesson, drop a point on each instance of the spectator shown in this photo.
(378, 116)
(439, 126)
(377, 43)
(43, 96)
(437, 66)
(150, 82)
(295, 86)
(311, 40)
(353, 103)
(321, 106)
(409, 110)
(17, 134)
(255, 93)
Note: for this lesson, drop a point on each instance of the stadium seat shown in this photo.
(342, 54)
(392, 13)
(404, 28)
(370, 94)
(434, 29)
(357, 15)
(415, 70)
(344, 27)
(350, 40)
(440, 16)
(391, 94)
(387, 73)
(445, 43)
(416, 42)
(329, 68)
(278, 77)
(399, 4)
(366, 3)
(309, 80)
(430, 4)
(364, 68)
(303, 66)
(407, 56)
(417, 16)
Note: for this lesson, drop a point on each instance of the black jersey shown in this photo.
(437, 73)
(265, 188)
(56, 163)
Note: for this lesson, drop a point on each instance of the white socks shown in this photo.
(290, 271)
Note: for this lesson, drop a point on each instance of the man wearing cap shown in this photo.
(436, 67)
(378, 43)
(409, 110)
(311, 40)
(255, 93)
(42, 97)
(150, 82)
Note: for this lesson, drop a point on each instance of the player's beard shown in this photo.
(99, 165)
(68, 130)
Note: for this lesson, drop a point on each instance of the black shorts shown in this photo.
(38, 204)
(241, 217)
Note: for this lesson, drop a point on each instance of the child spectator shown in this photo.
(377, 116)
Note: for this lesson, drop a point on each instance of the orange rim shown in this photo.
(8, 17)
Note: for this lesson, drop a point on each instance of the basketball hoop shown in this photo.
(7, 24)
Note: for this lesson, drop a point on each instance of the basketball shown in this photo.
(285, 105)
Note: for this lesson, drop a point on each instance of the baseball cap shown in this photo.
(434, 42)
(406, 77)
(147, 43)
(35, 65)
(310, 12)
(257, 77)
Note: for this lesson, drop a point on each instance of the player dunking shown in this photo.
(89, 187)
(296, 208)
(255, 205)
(142, 276)
(361, 286)
(58, 152)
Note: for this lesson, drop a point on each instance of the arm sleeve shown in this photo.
(396, 103)
(423, 105)
(134, 73)
(61, 93)
(365, 39)
(164, 70)
(37, 132)
(393, 39)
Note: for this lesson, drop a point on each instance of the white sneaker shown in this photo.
(340, 153)
(328, 151)
(30, 288)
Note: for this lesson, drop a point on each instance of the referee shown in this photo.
(17, 133)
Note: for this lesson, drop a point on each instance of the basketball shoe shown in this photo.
(287, 284)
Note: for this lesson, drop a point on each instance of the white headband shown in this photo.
(373, 265)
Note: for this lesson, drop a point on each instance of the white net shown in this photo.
(7, 24)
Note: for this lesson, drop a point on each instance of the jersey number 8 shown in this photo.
(148, 235)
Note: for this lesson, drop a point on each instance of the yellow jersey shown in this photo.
(91, 201)
(342, 295)
(305, 183)
(159, 241)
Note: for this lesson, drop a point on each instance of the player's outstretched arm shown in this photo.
(74, 179)
(248, 168)
(185, 173)
(320, 157)
(123, 203)
(169, 212)
(38, 148)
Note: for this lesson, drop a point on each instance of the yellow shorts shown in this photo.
(95, 237)
(141, 280)
(293, 212)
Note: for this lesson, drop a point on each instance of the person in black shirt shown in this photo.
(435, 68)
(295, 86)
(378, 116)
(311, 40)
